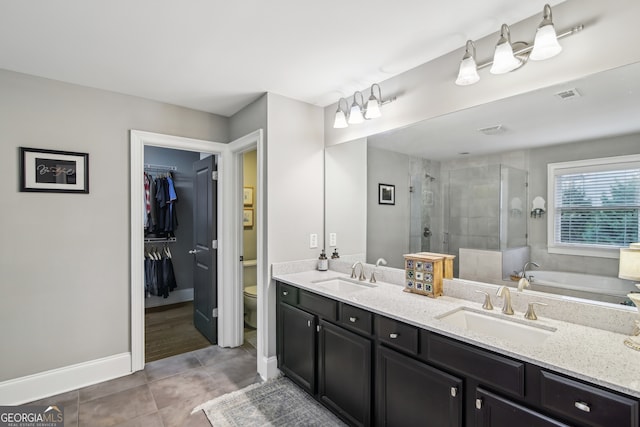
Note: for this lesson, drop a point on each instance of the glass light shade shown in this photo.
(340, 120)
(372, 109)
(468, 73)
(629, 264)
(546, 44)
(355, 115)
(504, 60)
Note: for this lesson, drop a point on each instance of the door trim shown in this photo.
(138, 140)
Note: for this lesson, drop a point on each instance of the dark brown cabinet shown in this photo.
(412, 393)
(349, 358)
(344, 373)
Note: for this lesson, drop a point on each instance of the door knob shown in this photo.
(194, 251)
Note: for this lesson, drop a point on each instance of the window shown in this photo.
(593, 205)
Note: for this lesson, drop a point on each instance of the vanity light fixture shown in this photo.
(355, 114)
(510, 56)
(372, 109)
(504, 60)
(359, 111)
(545, 45)
(468, 73)
(340, 120)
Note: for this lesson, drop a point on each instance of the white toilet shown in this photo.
(250, 296)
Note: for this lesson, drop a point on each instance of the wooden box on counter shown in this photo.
(424, 272)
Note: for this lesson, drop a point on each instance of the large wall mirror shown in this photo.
(468, 179)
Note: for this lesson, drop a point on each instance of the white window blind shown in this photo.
(596, 205)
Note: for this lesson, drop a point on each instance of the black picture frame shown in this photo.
(53, 171)
(386, 194)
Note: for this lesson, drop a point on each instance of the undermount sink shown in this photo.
(498, 327)
(344, 285)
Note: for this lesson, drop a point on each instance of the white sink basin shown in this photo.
(493, 326)
(344, 286)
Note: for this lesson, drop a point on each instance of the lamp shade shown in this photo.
(546, 44)
(629, 264)
(355, 114)
(340, 120)
(503, 59)
(468, 73)
(372, 108)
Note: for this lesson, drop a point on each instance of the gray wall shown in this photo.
(64, 258)
(539, 158)
(183, 183)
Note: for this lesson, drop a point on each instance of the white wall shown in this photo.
(64, 258)
(295, 185)
(429, 91)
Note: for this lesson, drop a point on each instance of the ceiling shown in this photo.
(608, 105)
(218, 56)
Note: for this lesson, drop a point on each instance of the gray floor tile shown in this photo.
(117, 408)
(179, 414)
(69, 403)
(178, 388)
(114, 386)
(150, 420)
(171, 366)
(215, 354)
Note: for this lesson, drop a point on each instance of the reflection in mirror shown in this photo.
(467, 180)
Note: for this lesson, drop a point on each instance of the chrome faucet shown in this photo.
(380, 261)
(504, 291)
(524, 281)
(353, 271)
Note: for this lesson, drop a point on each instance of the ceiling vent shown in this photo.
(568, 94)
(493, 130)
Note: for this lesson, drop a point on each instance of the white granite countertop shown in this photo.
(587, 353)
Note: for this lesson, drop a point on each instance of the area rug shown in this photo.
(277, 402)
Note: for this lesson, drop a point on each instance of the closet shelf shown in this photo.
(160, 239)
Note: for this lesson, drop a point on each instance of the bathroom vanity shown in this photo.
(379, 356)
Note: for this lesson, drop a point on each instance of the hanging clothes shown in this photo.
(158, 272)
(161, 214)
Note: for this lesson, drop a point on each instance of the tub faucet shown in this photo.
(353, 271)
(504, 291)
(524, 281)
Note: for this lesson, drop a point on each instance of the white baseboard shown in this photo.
(268, 367)
(49, 383)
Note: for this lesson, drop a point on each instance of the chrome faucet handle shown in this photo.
(372, 279)
(506, 308)
(353, 273)
(487, 300)
(362, 276)
(531, 314)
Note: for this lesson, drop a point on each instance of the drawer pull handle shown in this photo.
(285, 293)
(454, 391)
(393, 336)
(478, 403)
(353, 319)
(582, 406)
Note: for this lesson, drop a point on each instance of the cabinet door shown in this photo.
(495, 411)
(411, 393)
(344, 374)
(297, 346)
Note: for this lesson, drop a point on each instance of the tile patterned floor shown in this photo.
(164, 393)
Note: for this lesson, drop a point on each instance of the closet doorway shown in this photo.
(180, 211)
(230, 224)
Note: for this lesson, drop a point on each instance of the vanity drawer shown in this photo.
(287, 293)
(397, 334)
(356, 319)
(490, 369)
(323, 307)
(586, 404)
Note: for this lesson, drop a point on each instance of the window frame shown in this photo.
(577, 166)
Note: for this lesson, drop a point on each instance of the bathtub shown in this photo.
(589, 286)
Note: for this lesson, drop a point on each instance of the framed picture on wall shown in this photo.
(386, 194)
(247, 217)
(53, 171)
(247, 196)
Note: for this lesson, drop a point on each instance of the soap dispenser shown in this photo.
(323, 262)
(335, 255)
